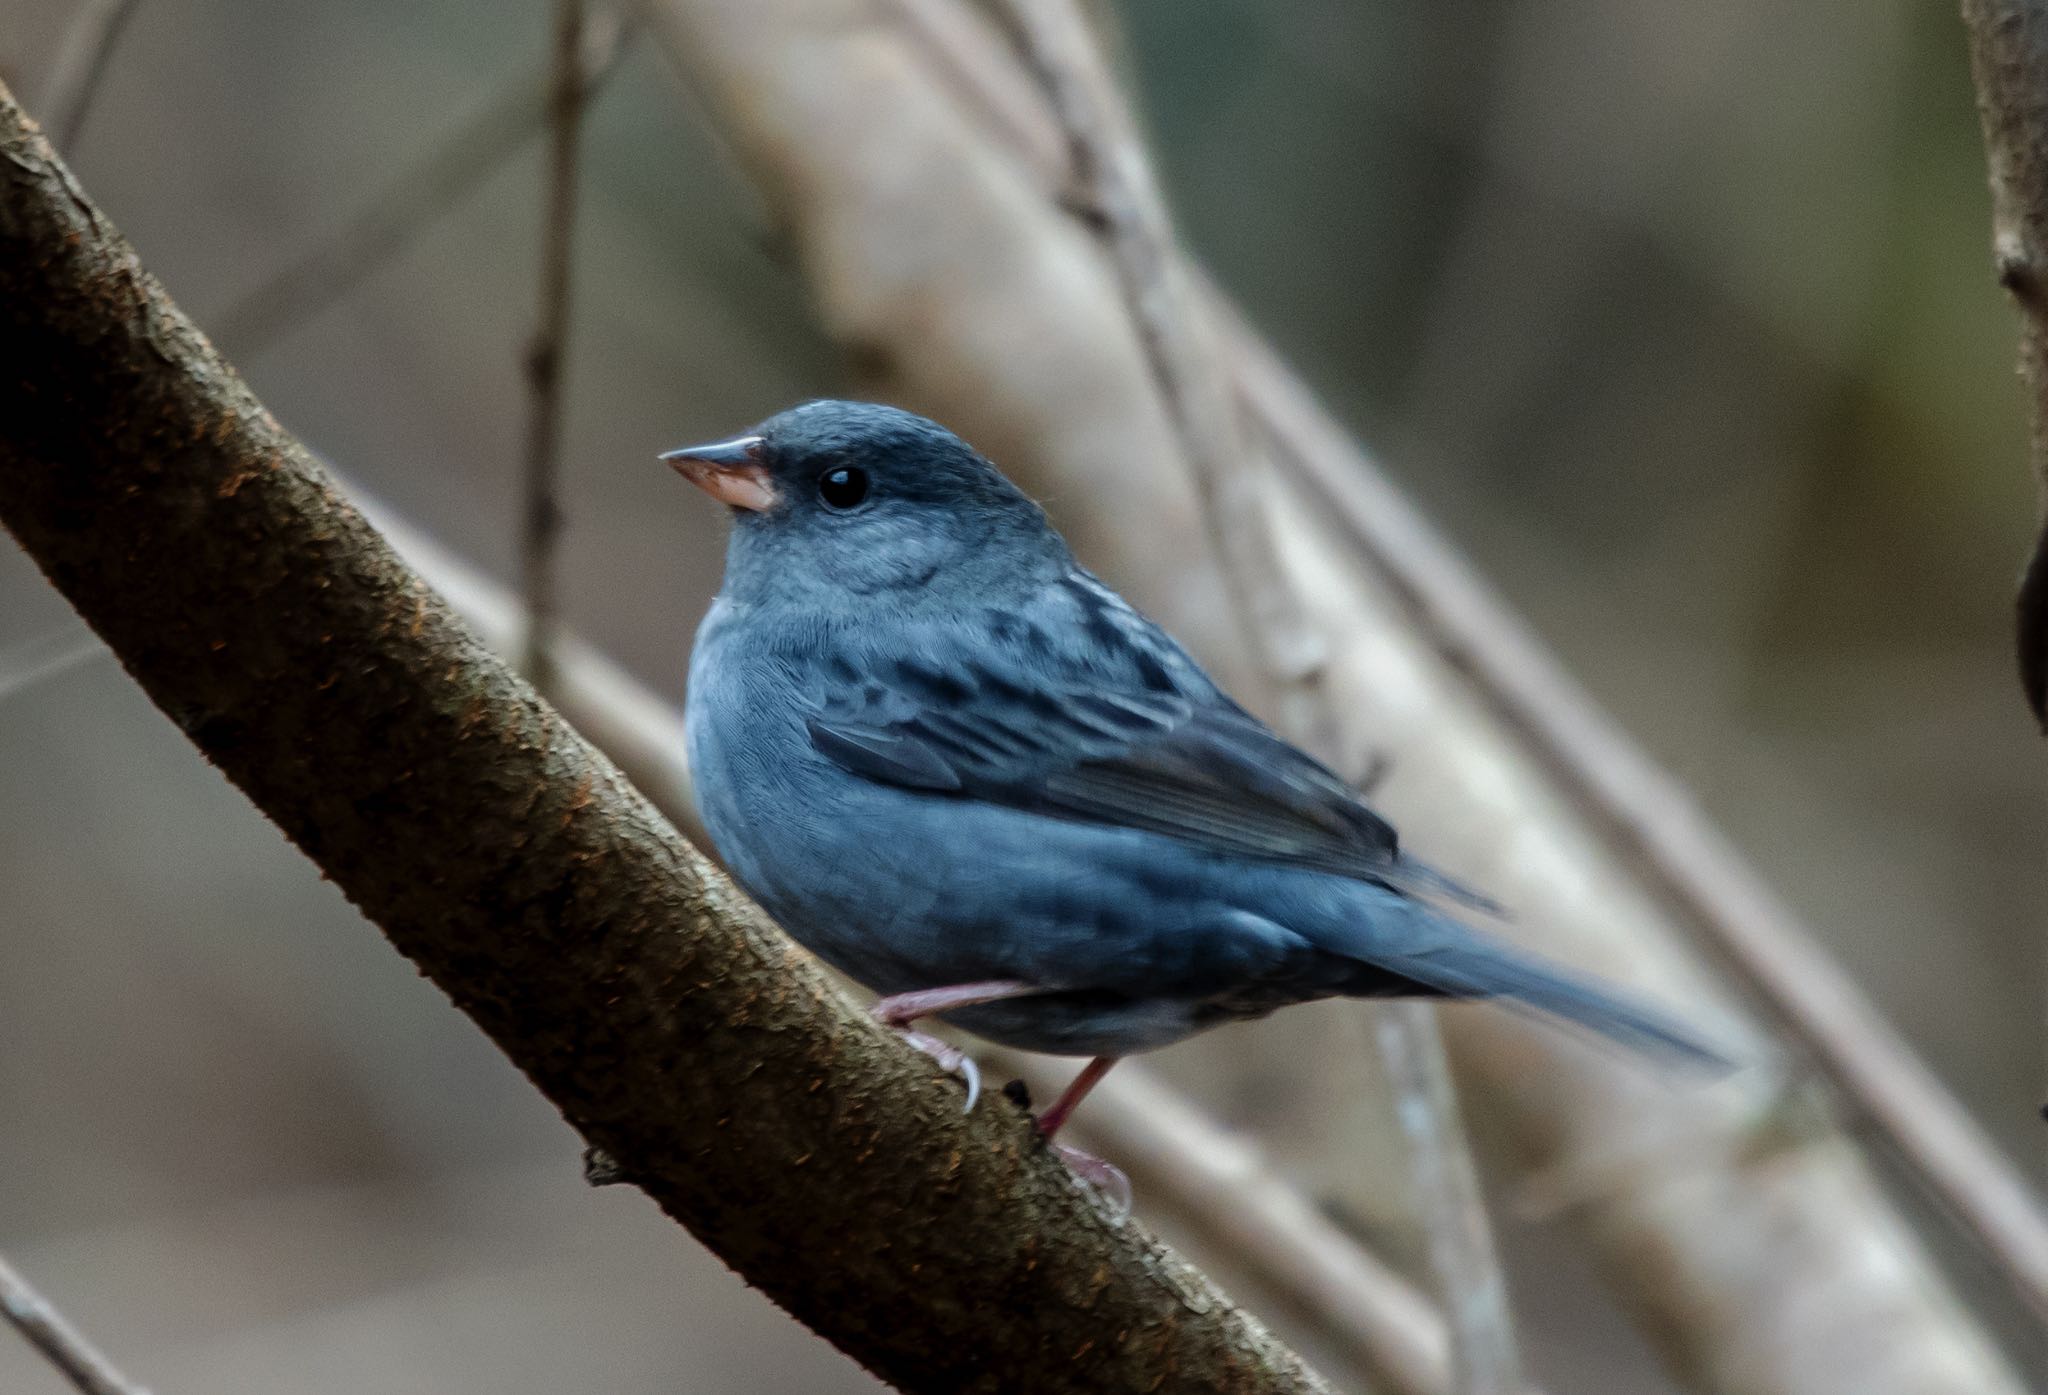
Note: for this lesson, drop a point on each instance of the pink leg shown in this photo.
(1104, 1176)
(899, 1010)
(902, 1009)
(1091, 1075)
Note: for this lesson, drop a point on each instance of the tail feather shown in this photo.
(1472, 967)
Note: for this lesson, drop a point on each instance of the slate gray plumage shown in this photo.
(940, 752)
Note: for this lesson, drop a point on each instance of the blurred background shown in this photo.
(1678, 317)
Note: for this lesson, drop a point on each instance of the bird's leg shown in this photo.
(1104, 1176)
(1090, 1076)
(899, 1010)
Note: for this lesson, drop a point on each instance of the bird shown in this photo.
(971, 777)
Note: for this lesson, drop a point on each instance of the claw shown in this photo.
(951, 1059)
(1105, 1177)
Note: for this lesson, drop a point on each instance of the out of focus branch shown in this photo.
(1757, 1255)
(50, 1333)
(568, 83)
(1118, 196)
(330, 269)
(1653, 825)
(670, 1023)
(2009, 58)
(81, 63)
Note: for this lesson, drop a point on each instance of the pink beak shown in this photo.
(729, 471)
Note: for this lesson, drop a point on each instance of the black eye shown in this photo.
(843, 487)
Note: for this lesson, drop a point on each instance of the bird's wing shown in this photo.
(1080, 708)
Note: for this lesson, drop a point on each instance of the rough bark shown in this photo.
(1740, 1226)
(2009, 58)
(673, 1027)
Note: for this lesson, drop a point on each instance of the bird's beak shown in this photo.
(729, 471)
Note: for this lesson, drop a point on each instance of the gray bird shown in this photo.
(971, 777)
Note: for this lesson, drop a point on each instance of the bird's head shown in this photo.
(861, 499)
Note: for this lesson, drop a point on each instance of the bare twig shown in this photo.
(545, 353)
(329, 270)
(50, 1333)
(34, 661)
(81, 63)
(1649, 820)
(1118, 194)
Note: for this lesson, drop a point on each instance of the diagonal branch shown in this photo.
(673, 1026)
(1119, 196)
(52, 1334)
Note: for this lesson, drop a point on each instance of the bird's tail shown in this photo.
(1465, 965)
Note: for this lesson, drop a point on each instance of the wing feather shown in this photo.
(1117, 725)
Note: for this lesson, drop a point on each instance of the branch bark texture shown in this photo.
(2009, 59)
(1749, 1238)
(675, 1028)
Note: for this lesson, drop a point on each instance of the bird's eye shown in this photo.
(843, 487)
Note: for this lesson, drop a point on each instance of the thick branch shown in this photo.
(673, 1026)
(1757, 1255)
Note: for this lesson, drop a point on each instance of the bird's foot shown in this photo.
(1104, 1176)
(951, 1059)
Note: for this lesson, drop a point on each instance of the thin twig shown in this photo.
(545, 353)
(81, 63)
(396, 213)
(38, 660)
(1119, 195)
(52, 1334)
(1648, 819)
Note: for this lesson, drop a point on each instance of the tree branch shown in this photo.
(568, 83)
(1755, 1252)
(673, 1027)
(50, 1333)
(1119, 197)
(2009, 59)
